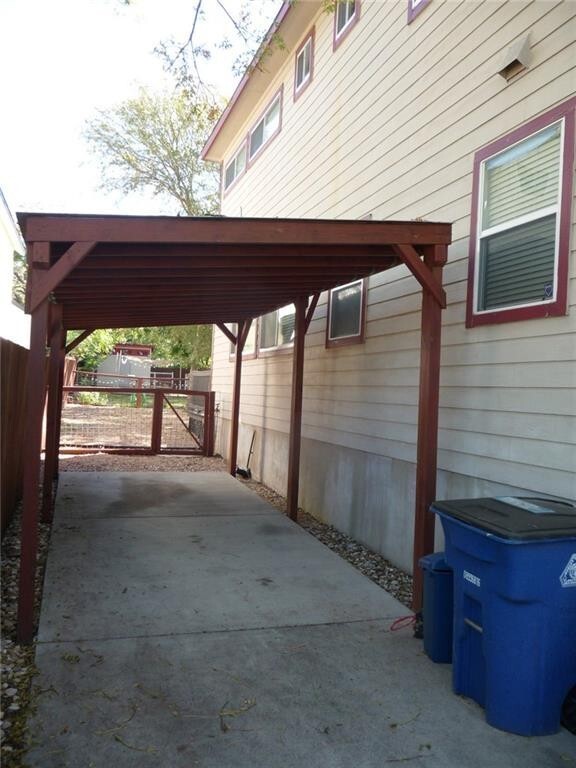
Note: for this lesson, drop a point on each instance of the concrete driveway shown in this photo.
(186, 622)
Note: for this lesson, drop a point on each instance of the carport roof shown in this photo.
(121, 271)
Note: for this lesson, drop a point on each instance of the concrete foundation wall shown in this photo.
(362, 494)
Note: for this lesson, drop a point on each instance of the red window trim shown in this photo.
(297, 92)
(338, 39)
(251, 160)
(413, 12)
(558, 307)
(348, 340)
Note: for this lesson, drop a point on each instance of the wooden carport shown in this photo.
(88, 272)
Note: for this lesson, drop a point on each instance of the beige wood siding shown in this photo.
(389, 126)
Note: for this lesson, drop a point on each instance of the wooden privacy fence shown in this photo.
(13, 365)
(137, 420)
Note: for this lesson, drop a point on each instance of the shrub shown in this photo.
(92, 398)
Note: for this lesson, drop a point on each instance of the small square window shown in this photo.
(304, 65)
(519, 243)
(266, 128)
(346, 314)
(346, 14)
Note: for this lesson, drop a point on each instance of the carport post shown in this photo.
(35, 394)
(242, 328)
(52, 412)
(61, 368)
(427, 420)
(296, 408)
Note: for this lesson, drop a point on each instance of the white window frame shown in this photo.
(308, 45)
(352, 338)
(265, 139)
(517, 222)
(247, 353)
(233, 161)
(350, 20)
(285, 345)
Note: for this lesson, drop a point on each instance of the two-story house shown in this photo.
(414, 109)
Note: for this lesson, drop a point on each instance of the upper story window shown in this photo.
(277, 328)
(304, 65)
(346, 314)
(520, 221)
(414, 8)
(235, 167)
(346, 15)
(267, 127)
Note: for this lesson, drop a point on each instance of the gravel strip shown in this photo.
(18, 669)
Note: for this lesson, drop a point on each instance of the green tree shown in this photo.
(20, 270)
(152, 142)
(185, 345)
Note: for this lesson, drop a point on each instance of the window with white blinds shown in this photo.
(518, 218)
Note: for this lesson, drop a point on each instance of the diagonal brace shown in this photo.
(79, 339)
(228, 333)
(310, 311)
(421, 272)
(45, 281)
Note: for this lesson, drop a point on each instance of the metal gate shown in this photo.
(137, 420)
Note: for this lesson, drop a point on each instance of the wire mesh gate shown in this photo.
(137, 420)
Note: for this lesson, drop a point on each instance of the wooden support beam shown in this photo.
(35, 393)
(52, 413)
(227, 332)
(296, 407)
(209, 423)
(62, 366)
(234, 426)
(422, 272)
(311, 310)
(157, 412)
(245, 333)
(39, 255)
(79, 339)
(45, 281)
(427, 448)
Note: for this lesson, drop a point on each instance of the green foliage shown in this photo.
(92, 398)
(20, 272)
(95, 348)
(185, 345)
(153, 143)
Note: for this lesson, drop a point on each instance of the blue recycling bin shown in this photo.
(514, 563)
(437, 607)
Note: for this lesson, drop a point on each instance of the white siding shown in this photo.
(389, 126)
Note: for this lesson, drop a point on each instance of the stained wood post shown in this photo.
(234, 426)
(157, 410)
(296, 408)
(427, 449)
(52, 414)
(35, 392)
(61, 368)
(209, 423)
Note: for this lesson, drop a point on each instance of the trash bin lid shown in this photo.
(513, 517)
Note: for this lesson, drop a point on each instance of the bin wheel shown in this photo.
(569, 711)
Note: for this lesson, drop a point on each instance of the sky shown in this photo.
(60, 61)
